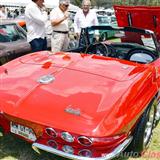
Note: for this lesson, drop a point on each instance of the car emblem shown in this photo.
(74, 111)
(46, 79)
(125, 67)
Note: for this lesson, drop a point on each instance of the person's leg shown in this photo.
(65, 42)
(56, 42)
(36, 45)
(44, 44)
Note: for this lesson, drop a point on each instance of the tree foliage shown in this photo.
(137, 2)
(109, 3)
(95, 3)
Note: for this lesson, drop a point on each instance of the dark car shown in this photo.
(13, 41)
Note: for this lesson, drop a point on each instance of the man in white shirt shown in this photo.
(36, 18)
(84, 17)
(59, 21)
(3, 14)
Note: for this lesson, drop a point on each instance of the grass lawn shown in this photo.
(12, 148)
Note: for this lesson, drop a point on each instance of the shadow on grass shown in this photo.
(12, 148)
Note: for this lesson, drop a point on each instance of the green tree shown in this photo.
(76, 2)
(95, 3)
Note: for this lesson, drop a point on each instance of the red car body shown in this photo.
(79, 106)
(147, 17)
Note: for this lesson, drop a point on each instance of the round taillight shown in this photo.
(68, 149)
(51, 132)
(52, 144)
(67, 137)
(84, 141)
(85, 153)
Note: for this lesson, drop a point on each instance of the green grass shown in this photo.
(12, 148)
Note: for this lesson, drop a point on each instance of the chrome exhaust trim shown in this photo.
(113, 154)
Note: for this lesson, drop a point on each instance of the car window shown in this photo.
(10, 33)
(103, 20)
(115, 35)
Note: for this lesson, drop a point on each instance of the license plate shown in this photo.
(22, 131)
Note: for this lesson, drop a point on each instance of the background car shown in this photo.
(105, 20)
(13, 41)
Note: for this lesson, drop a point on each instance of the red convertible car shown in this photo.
(92, 102)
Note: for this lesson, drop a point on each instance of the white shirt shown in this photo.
(82, 21)
(58, 14)
(35, 22)
(3, 15)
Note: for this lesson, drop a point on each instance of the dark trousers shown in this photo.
(38, 44)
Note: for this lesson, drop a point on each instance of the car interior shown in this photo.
(130, 46)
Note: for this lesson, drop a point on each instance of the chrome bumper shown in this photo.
(113, 154)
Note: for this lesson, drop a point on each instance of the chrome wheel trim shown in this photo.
(149, 126)
(157, 116)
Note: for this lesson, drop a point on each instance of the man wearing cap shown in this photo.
(58, 17)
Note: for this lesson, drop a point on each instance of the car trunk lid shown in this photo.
(79, 94)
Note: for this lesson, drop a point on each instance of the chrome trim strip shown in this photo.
(111, 155)
(84, 137)
(53, 130)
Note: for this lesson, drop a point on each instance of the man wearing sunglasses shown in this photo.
(59, 21)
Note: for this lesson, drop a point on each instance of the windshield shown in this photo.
(103, 20)
(10, 33)
(122, 36)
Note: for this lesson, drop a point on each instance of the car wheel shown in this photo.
(157, 115)
(103, 36)
(143, 131)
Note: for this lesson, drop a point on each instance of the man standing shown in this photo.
(59, 21)
(3, 14)
(84, 17)
(36, 18)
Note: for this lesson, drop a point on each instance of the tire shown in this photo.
(143, 131)
(103, 36)
(157, 115)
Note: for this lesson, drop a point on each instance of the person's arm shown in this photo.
(37, 16)
(77, 28)
(95, 22)
(56, 22)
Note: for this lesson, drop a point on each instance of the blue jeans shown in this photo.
(38, 44)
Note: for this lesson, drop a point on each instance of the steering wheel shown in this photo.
(140, 55)
(101, 49)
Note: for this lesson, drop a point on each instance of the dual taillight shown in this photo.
(83, 140)
(84, 145)
(51, 132)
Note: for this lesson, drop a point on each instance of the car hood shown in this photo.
(84, 90)
(133, 15)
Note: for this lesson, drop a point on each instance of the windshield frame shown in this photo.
(84, 37)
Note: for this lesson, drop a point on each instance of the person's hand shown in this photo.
(97, 38)
(66, 15)
(77, 36)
